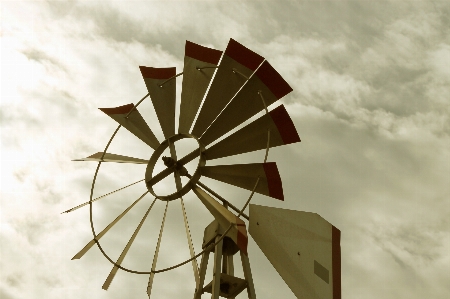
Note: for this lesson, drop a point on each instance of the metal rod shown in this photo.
(106, 148)
(222, 199)
(155, 257)
(251, 195)
(206, 67)
(238, 72)
(268, 143)
(173, 77)
(263, 101)
(95, 199)
(125, 250)
(135, 106)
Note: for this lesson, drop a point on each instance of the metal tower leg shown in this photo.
(203, 267)
(248, 276)
(228, 266)
(217, 269)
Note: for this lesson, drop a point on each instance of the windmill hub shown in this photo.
(174, 166)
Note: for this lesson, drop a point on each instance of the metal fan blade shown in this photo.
(238, 232)
(133, 123)
(254, 136)
(236, 62)
(113, 272)
(112, 158)
(162, 94)
(303, 247)
(199, 67)
(245, 175)
(266, 82)
(106, 229)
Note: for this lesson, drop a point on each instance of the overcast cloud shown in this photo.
(371, 104)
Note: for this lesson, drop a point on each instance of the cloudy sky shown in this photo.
(371, 84)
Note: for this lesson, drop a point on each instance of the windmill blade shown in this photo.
(238, 232)
(106, 229)
(254, 136)
(112, 158)
(133, 123)
(199, 67)
(303, 247)
(227, 81)
(266, 82)
(100, 197)
(162, 94)
(114, 270)
(155, 256)
(245, 175)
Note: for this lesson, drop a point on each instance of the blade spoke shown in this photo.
(113, 272)
(95, 199)
(155, 257)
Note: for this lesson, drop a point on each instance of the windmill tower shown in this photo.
(221, 91)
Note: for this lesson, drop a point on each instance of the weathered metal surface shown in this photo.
(254, 136)
(133, 123)
(245, 175)
(162, 96)
(238, 232)
(302, 246)
(247, 101)
(199, 63)
(226, 82)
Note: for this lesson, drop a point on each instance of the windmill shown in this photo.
(221, 91)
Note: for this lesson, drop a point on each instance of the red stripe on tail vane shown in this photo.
(284, 124)
(243, 55)
(273, 80)
(273, 180)
(202, 53)
(118, 110)
(336, 262)
(157, 73)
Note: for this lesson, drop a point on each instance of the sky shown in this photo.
(370, 101)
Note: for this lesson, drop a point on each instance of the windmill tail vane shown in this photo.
(221, 92)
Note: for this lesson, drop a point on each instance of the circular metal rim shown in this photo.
(154, 159)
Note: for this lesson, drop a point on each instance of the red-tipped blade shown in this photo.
(248, 102)
(163, 97)
(112, 158)
(134, 123)
(226, 82)
(254, 136)
(245, 176)
(199, 67)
